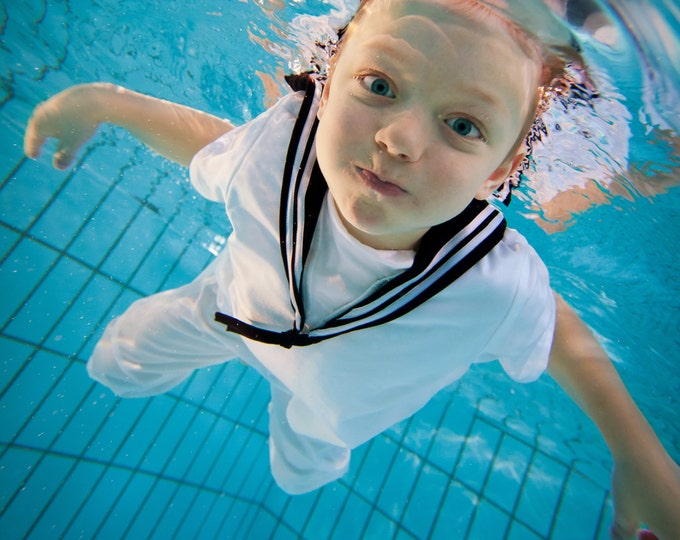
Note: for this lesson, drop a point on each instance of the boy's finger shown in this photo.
(62, 158)
(32, 141)
(69, 143)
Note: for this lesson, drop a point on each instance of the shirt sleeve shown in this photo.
(214, 167)
(523, 340)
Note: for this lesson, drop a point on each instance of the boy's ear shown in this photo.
(327, 86)
(499, 176)
(324, 99)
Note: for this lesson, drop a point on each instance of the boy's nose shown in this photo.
(402, 136)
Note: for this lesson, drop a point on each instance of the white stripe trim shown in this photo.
(446, 249)
(294, 256)
(418, 289)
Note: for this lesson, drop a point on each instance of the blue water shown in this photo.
(486, 459)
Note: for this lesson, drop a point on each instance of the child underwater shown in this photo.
(366, 270)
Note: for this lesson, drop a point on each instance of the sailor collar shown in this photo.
(445, 253)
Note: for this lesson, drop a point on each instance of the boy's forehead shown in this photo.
(442, 37)
(455, 26)
(439, 12)
(443, 19)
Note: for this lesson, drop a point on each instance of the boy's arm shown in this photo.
(645, 481)
(73, 116)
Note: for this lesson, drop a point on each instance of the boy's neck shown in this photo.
(407, 241)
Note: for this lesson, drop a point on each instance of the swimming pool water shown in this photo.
(485, 459)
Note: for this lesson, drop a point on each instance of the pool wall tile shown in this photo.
(28, 192)
(402, 534)
(194, 259)
(105, 228)
(133, 246)
(34, 495)
(167, 524)
(489, 523)
(122, 302)
(283, 532)
(376, 464)
(195, 514)
(115, 428)
(250, 475)
(421, 430)
(82, 434)
(206, 385)
(67, 501)
(399, 484)
(449, 439)
(140, 438)
(131, 497)
(28, 391)
(48, 303)
(223, 511)
(84, 315)
(262, 527)
(276, 500)
(541, 493)
(255, 415)
(581, 508)
(68, 214)
(12, 143)
(154, 504)
(105, 158)
(380, 526)
(16, 464)
(424, 501)
(160, 261)
(49, 420)
(163, 447)
(15, 354)
(23, 270)
(475, 461)
(508, 468)
(351, 522)
(455, 513)
(520, 532)
(322, 519)
(190, 445)
(298, 510)
(606, 521)
(208, 455)
(8, 239)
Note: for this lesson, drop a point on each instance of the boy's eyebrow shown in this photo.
(397, 51)
(480, 93)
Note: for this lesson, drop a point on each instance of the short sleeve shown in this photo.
(523, 340)
(214, 167)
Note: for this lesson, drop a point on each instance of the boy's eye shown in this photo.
(464, 128)
(377, 85)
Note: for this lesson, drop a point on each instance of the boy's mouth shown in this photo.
(379, 183)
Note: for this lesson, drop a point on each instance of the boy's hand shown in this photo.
(69, 117)
(649, 493)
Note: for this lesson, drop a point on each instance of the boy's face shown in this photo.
(418, 117)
